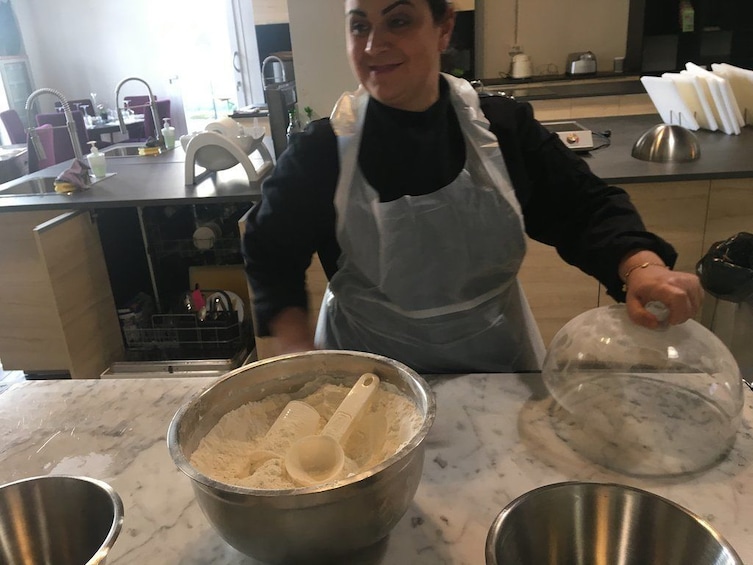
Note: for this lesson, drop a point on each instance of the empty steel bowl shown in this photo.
(585, 523)
(667, 143)
(58, 520)
(314, 524)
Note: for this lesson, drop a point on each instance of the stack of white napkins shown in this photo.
(719, 99)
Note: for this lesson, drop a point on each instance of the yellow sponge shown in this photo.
(149, 150)
(62, 186)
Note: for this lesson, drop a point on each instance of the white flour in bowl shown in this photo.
(224, 453)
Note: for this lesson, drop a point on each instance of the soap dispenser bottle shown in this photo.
(294, 124)
(168, 133)
(97, 161)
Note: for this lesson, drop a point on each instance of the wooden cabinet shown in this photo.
(58, 312)
(592, 107)
(730, 210)
(270, 12)
(556, 291)
(677, 212)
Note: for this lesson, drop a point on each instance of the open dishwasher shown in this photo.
(180, 289)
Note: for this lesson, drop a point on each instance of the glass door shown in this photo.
(206, 75)
(245, 53)
(218, 60)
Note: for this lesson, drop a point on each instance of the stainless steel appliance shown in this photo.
(572, 134)
(281, 97)
(581, 63)
(155, 262)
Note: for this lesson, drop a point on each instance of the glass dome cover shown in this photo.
(640, 401)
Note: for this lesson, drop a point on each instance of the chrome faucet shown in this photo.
(152, 105)
(272, 59)
(69, 123)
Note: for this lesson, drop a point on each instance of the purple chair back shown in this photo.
(14, 126)
(139, 104)
(62, 142)
(46, 138)
(163, 110)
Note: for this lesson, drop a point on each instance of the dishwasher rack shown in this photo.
(187, 335)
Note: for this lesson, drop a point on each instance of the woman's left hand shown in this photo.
(681, 293)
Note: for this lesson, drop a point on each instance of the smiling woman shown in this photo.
(417, 195)
(393, 48)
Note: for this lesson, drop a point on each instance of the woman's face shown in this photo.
(394, 48)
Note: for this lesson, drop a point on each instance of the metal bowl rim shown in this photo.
(191, 472)
(117, 506)
(496, 526)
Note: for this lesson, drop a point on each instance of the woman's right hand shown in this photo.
(291, 331)
(680, 292)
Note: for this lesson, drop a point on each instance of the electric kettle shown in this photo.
(521, 66)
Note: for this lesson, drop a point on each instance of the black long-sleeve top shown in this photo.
(591, 224)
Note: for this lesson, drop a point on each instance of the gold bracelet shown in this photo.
(641, 266)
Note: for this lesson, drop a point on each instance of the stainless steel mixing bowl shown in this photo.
(58, 519)
(584, 523)
(667, 143)
(313, 524)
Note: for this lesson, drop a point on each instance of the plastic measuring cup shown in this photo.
(297, 420)
(319, 458)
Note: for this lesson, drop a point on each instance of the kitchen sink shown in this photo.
(122, 151)
(33, 186)
(41, 186)
(126, 151)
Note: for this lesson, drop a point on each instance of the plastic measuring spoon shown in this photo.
(297, 420)
(319, 458)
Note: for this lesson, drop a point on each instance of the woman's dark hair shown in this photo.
(438, 9)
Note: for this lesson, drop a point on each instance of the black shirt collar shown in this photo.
(408, 118)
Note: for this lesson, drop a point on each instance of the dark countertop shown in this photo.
(722, 156)
(140, 181)
(556, 87)
(160, 180)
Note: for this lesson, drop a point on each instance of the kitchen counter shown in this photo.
(142, 181)
(491, 442)
(554, 87)
(160, 180)
(722, 156)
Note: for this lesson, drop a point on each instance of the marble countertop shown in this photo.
(491, 442)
